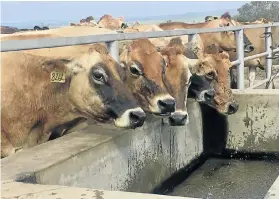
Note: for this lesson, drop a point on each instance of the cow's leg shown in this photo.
(7, 148)
(233, 73)
(252, 75)
(74, 125)
(37, 136)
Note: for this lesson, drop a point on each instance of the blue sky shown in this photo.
(15, 12)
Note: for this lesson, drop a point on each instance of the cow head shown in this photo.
(144, 67)
(223, 100)
(201, 87)
(212, 71)
(226, 39)
(210, 18)
(96, 90)
(177, 79)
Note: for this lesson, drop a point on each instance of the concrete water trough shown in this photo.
(105, 162)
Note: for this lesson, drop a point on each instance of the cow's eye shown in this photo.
(135, 70)
(210, 75)
(98, 77)
(165, 63)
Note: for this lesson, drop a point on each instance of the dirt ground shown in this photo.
(260, 74)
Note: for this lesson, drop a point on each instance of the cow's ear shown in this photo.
(63, 65)
(123, 65)
(224, 55)
(55, 64)
(195, 46)
(213, 49)
(225, 20)
(226, 59)
(124, 58)
(122, 71)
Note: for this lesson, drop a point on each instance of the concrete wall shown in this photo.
(255, 126)
(109, 158)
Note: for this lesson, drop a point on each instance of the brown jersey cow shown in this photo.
(144, 66)
(224, 40)
(178, 77)
(40, 94)
(212, 71)
(107, 21)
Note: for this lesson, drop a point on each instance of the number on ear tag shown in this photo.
(58, 77)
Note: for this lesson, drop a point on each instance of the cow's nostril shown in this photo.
(178, 119)
(166, 105)
(233, 107)
(209, 95)
(112, 113)
(249, 48)
(137, 118)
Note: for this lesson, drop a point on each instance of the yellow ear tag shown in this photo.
(58, 77)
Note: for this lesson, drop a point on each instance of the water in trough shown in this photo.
(229, 179)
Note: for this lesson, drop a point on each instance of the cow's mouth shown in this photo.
(228, 49)
(162, 114)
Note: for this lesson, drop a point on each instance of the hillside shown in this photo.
(187, 17)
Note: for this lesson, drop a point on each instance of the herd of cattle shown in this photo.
(48, 91)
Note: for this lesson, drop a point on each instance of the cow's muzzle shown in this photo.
(178, 118)
(206, 95)
(249, 48)
(166, 105)
(232, 108)
(131, 118)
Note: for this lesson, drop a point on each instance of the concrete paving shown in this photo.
(16, 190)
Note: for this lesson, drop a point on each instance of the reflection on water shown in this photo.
(229, 179)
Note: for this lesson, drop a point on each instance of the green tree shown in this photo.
(258, 9)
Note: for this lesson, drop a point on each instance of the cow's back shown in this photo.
(173, 25)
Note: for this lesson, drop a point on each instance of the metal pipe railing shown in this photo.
(239, 62)
(240, 56)
(15, 45)
(113, 49)
(268, 45)
(258, 84)
(111, 41)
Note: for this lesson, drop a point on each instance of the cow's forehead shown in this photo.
(210, 60)
(220, 65)
(88, 60)
(147, 59)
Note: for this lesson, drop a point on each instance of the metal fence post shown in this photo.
(240, 57)
(190, 37)
(113, 49)
(268, 44)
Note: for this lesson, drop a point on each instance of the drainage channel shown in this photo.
(230, 175)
